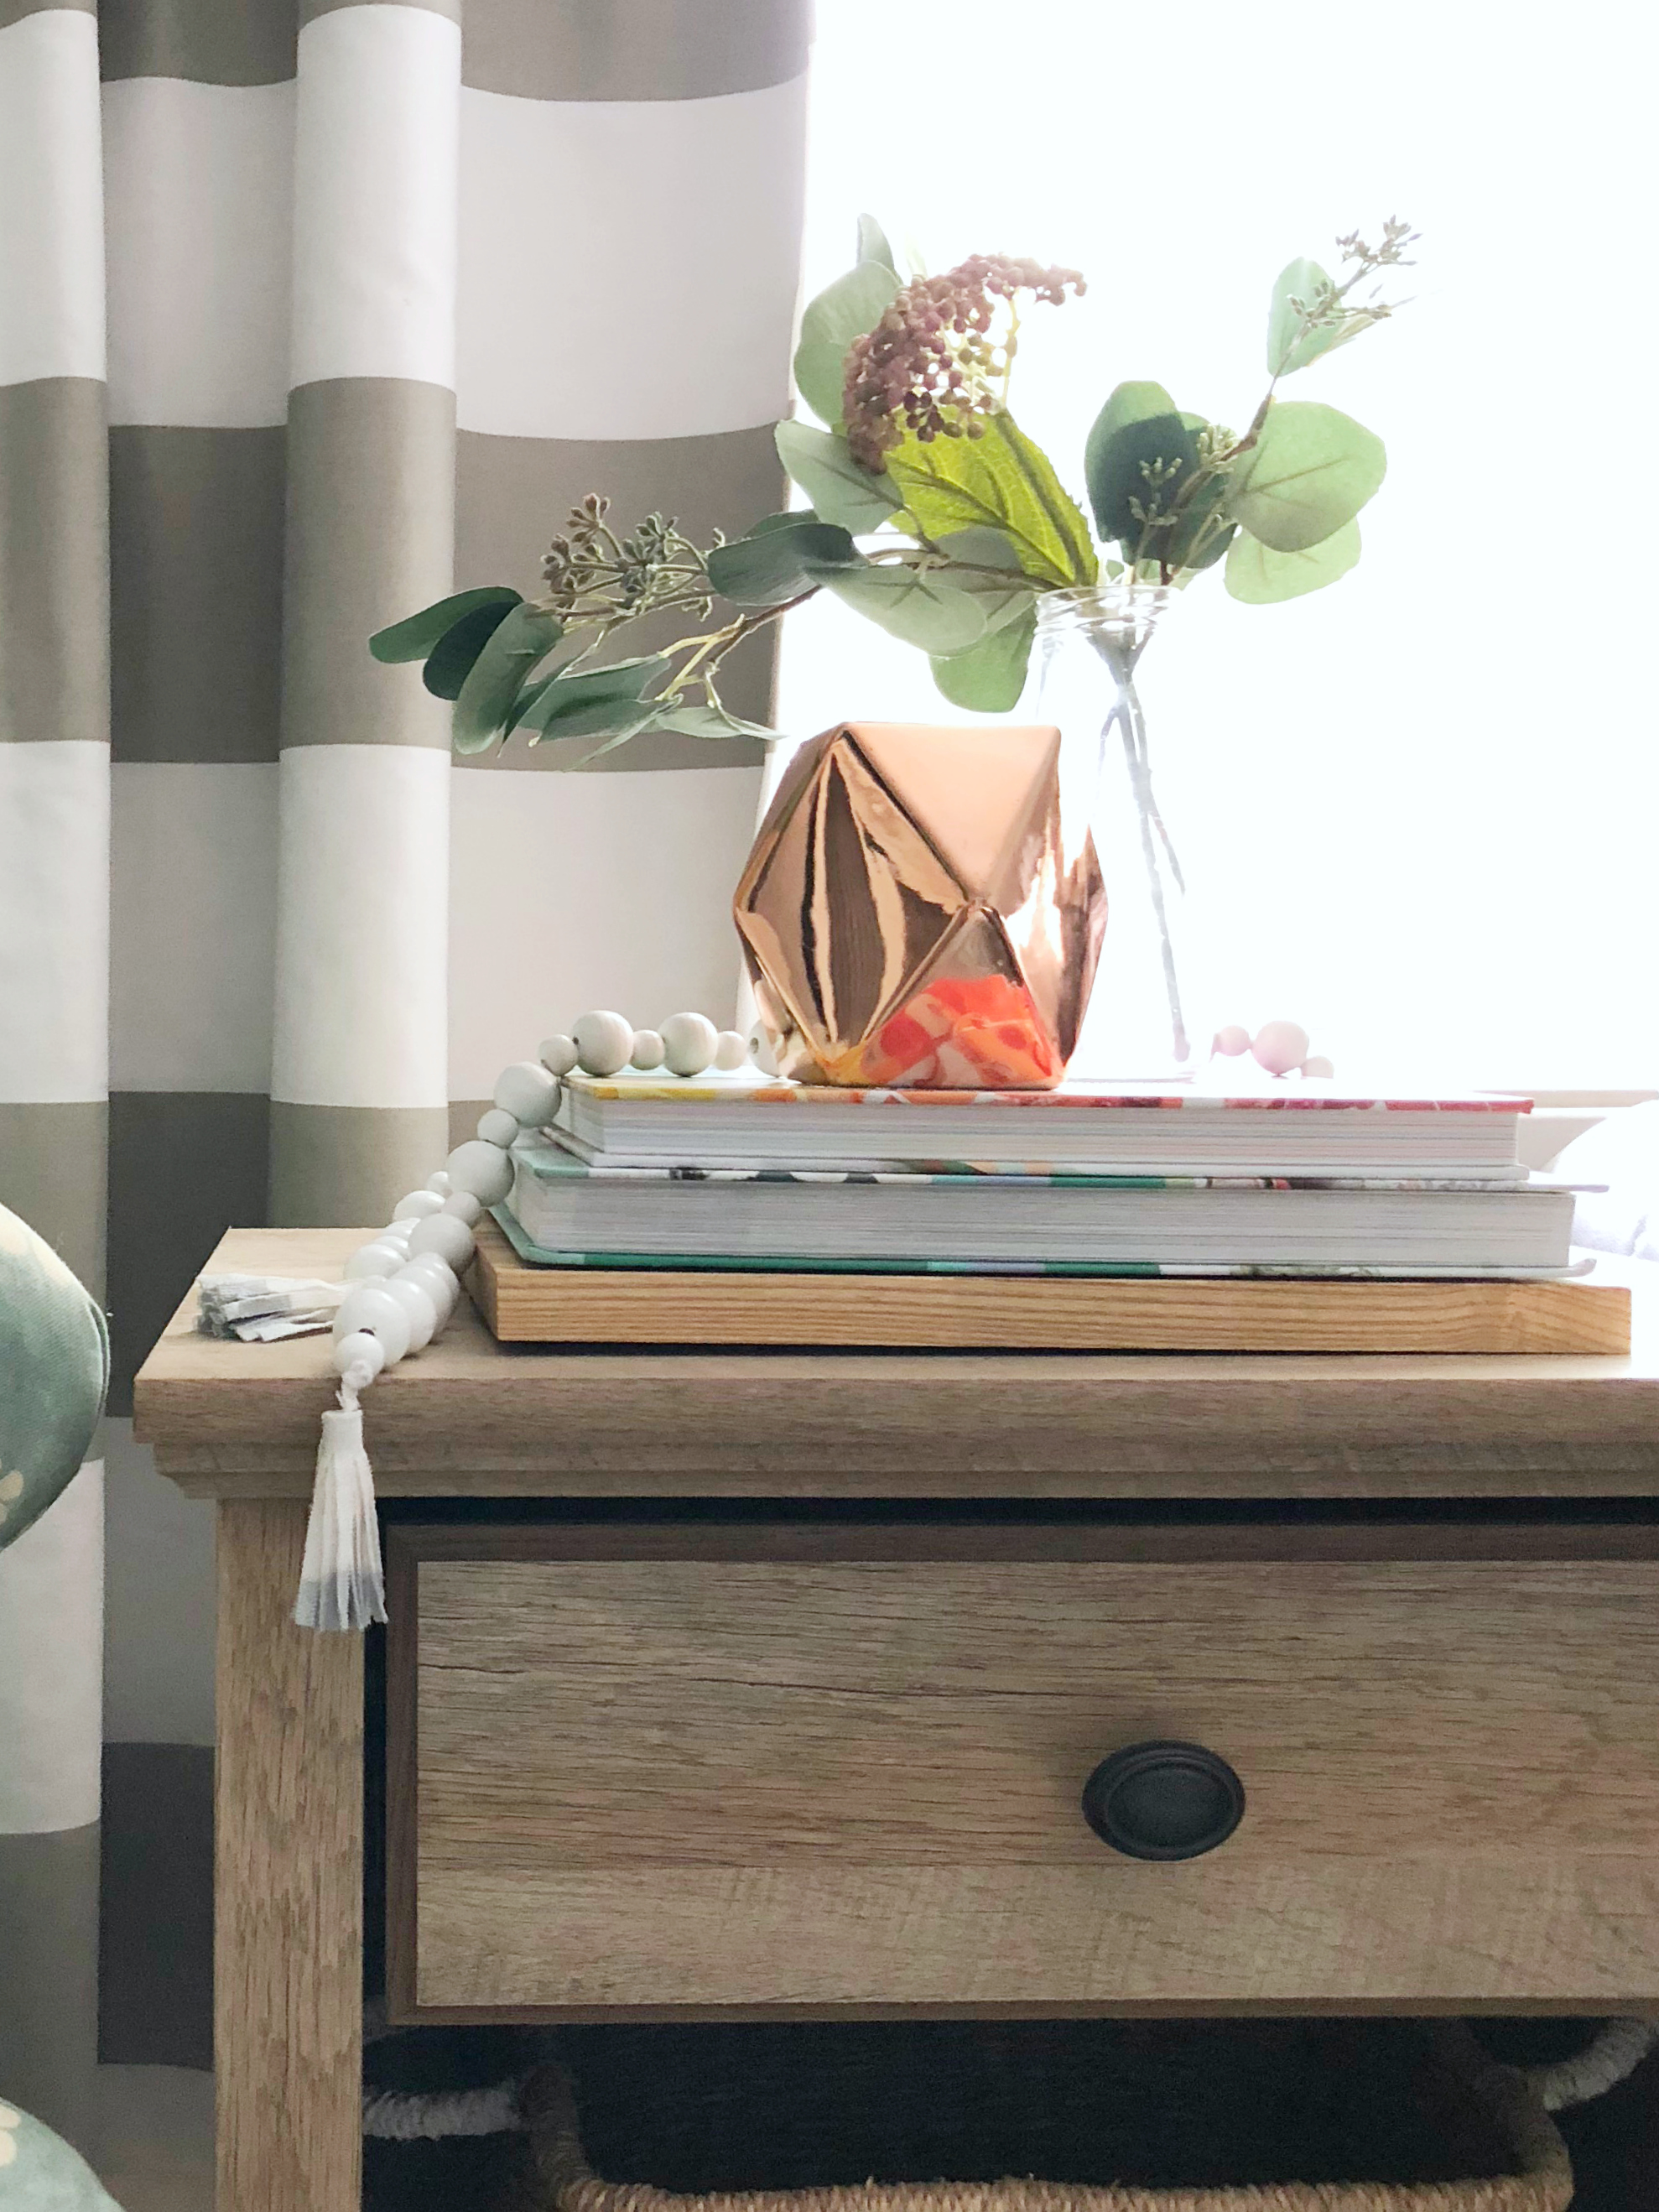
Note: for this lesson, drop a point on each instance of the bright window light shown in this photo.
(1418, 808)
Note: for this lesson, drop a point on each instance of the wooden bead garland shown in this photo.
(406, 1280)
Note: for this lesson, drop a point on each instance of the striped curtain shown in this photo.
(308, 315)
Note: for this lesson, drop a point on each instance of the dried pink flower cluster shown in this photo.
(928, 364)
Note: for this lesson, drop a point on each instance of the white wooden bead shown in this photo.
(359, 1349)
(434, 1264)
(441, 1233)
(603, 1041)
(413, 1203)
(558, 1054)
(371, 1306)
(731, 1050)
(761, 1051)
(420, 1302)
(379, 1258)
(463, 1205)
(441, 1307)
(648, 1050)
(498, 1128)
(1279, 1046)
(688, 1043)
(439, 1183)
(438, 1276)
(484, 1170)
(528, 1093)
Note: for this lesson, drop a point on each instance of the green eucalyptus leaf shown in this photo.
(780, 560)
(1311, 469)
(912, 604)
(575, 643)
(484, 709)
(851, 306)
(985, 547)
(708, 722)
(414, 637)
(840, 490)
(450, 661)
(790, 518)
(1127, 402)
(989, 677)
(1143, 461)
(618, 720)
(1003, 481)
(872, 243)
(1259, 575)
(1286, 352)
(1127, 405)
(991, 574)
(622, 725)
(584, 703)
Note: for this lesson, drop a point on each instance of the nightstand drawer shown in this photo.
(676, 1766)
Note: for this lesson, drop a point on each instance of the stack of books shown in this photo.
(733, 1173)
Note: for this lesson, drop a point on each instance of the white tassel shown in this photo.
(342, 1584)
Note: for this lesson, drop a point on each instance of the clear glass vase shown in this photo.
(1145, 1022)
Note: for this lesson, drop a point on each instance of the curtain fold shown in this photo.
(54, 960)
(388, 287)
(359, 1073)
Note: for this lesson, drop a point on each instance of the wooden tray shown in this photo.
(523, 1305)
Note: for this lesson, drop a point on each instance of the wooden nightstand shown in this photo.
(734, 1685)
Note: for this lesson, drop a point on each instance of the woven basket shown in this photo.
(1120, 2116)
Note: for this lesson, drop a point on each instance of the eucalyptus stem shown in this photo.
(1126, 712)
(711, 647)
(1144, 807)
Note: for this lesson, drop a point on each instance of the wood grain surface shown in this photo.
(1552, 1934)
(789, 1776)
(523, 1305)
(468, 1417)
(288, 1882)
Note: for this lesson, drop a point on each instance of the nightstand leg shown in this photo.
(288, 1882)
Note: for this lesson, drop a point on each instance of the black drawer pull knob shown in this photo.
(1164, 1801)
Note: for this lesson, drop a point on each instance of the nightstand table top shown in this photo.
(468, 1417)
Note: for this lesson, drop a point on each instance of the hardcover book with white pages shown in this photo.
(1277, 1128)
(573, 1212)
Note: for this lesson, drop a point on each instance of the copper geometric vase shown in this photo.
(923, 910)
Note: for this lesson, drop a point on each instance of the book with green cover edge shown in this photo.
(537, 1256)
(553, 1163)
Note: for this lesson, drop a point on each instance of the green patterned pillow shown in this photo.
(39, 2171)
(54, 1369)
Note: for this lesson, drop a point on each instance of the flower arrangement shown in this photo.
(933, 514)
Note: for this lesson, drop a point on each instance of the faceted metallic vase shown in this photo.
(923, 908)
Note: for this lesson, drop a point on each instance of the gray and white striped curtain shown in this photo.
(306, 316)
